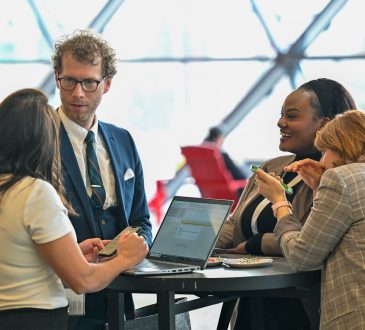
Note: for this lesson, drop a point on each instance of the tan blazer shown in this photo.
(231, 234)
(333, 236)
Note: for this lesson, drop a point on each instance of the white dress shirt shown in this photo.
(77, 135)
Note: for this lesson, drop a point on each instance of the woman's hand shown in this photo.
(239, 249)
(90, 248)
(310, 170)
(269, 185)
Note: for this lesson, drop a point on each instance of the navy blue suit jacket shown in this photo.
(130, 194)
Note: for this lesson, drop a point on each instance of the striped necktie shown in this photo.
(96, 183)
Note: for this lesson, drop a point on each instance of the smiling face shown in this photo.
(298, 123)
(78, 105)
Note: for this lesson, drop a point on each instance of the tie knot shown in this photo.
(90, 137)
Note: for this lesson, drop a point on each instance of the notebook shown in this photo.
(186, 236)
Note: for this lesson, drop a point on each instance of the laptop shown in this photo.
(186, 236)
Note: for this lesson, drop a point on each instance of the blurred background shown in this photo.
(187, 65)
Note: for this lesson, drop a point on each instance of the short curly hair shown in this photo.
(85, 46)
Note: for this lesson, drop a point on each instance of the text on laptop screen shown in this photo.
(189, 228)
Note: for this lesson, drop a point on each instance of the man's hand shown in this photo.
(90, 248)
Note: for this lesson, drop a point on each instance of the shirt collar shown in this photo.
(75, 131)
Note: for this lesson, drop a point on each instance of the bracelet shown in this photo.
(280, 204)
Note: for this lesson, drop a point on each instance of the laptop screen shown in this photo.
(190, 227)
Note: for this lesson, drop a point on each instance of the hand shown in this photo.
(90, 248)
(310, 170)
(269, 185)
(132, 248)
(239, 249)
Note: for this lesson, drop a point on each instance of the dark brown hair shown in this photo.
(29, 142)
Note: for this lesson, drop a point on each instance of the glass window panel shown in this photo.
(164, 28)
(343, 36)
(286, 20)
(18, 76)
(16, 22)
(68, 15)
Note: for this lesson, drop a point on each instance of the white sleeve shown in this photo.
(45, 217)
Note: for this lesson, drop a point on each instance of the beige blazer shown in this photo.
(231, 234)
(333, 236)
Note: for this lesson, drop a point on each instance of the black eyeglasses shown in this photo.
(87, 85)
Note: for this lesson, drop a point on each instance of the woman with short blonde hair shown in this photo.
(333, 236)
(336, 136)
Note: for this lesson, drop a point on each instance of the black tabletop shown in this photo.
(277, 275)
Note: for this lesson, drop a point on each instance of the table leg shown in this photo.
(115, 310)
(226, 314)
(257, 312)
(250, 314)
(166, 310)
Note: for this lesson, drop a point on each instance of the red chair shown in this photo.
(210, 173)
(156, 203)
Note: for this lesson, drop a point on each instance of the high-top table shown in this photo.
(215, 285)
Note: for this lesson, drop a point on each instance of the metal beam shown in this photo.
(267, 30)
(186, 60)
(43, 20)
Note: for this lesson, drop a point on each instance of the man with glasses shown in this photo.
(102, 171)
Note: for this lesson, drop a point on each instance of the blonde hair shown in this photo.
(345, 134)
